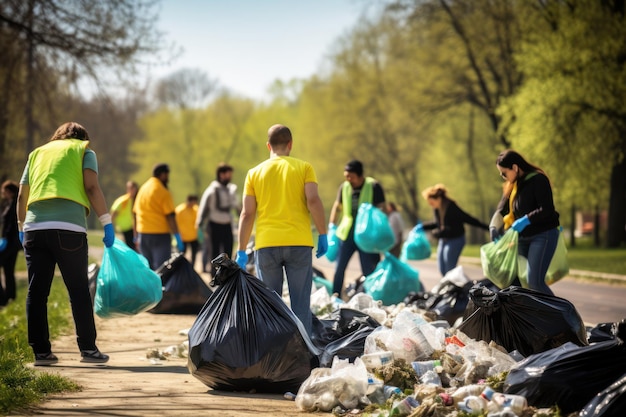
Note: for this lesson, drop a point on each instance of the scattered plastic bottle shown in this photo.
(473, 389)
(499, 401)
(473, 404)
(404, 407)
(421, 367)
(390, 391)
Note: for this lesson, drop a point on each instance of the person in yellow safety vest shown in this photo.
(353, 192)
(186, 214)
(57, 188)
(122, 213)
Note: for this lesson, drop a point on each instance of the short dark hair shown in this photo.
(160, 169)
(355, 167)
(279, 136)
(221, 168)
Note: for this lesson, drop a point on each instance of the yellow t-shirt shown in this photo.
(152, 205)
(282, 217)
(123, 207)
(186, 221)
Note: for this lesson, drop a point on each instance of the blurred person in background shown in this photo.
(353, 192)
(186, 214)
(397, 225)
(448, 226)
(122, 213)
(9, 241)
(155, 218)
(215, 215)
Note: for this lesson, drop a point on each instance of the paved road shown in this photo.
(596, 302)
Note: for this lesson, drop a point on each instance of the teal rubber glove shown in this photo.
(179, 242)
(21, 236)
(322, 246)
(3, 244)
(242, 259)
(520, 224)
(419, 227)
(109, 235)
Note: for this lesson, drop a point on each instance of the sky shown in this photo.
(247, 44)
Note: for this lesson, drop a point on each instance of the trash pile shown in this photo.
(511, 353)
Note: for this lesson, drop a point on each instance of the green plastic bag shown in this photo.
(392, 281)
(126, 285)
(499, 259)
(416, 247)
(558, 269)
(372, 232)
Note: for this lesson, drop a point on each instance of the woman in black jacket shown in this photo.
(448, 226)
(528, 208)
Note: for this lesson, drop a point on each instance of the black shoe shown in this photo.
(93, 356)
(45, 359)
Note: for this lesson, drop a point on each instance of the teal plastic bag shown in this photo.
(416, 246)
(372, 232)
(499, 259)
(126, 285)
(333, 244)
(392, 281)
(558, 269)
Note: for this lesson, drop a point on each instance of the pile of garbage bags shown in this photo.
(398, 360)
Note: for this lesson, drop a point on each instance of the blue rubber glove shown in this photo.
(21, 236)
(322, 246)
(520, 224)
(179, 242)
(419, 227)
(3, 244)
(109, 235)
(242, 259)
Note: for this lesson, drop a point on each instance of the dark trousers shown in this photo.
(45, 249)
(193, 246)
(129, 239)
(346, 250)
(7, 262)
(221, 235)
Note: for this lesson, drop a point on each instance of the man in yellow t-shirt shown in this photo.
(155, 218)
(186, 214)
(281, 195)
(122, 213)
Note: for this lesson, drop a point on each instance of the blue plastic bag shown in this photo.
(333, 244)
(392, 281)
(372, 232)
(126, 285)
(416, 247)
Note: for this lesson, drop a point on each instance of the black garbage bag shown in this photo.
(342, 334)
(609, 403)
(522, 319)
(606, 331)
(246, 338)
(568, 376)
(184, 291)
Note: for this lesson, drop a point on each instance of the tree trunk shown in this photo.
(572, 228)
(617, 206)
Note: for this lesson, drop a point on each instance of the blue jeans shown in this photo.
(44, 249)
(296, 262)
(157, 248)
(346, 250)
(539, 250)
(448, 253)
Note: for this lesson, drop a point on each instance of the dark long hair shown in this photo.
(70, 130)
(508, 158)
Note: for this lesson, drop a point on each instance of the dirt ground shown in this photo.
(131, 384)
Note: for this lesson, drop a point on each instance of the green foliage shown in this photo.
(21, 387)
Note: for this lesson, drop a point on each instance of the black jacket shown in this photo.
(453, 222)
(533, 198)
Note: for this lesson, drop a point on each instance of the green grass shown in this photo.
(21, 386)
